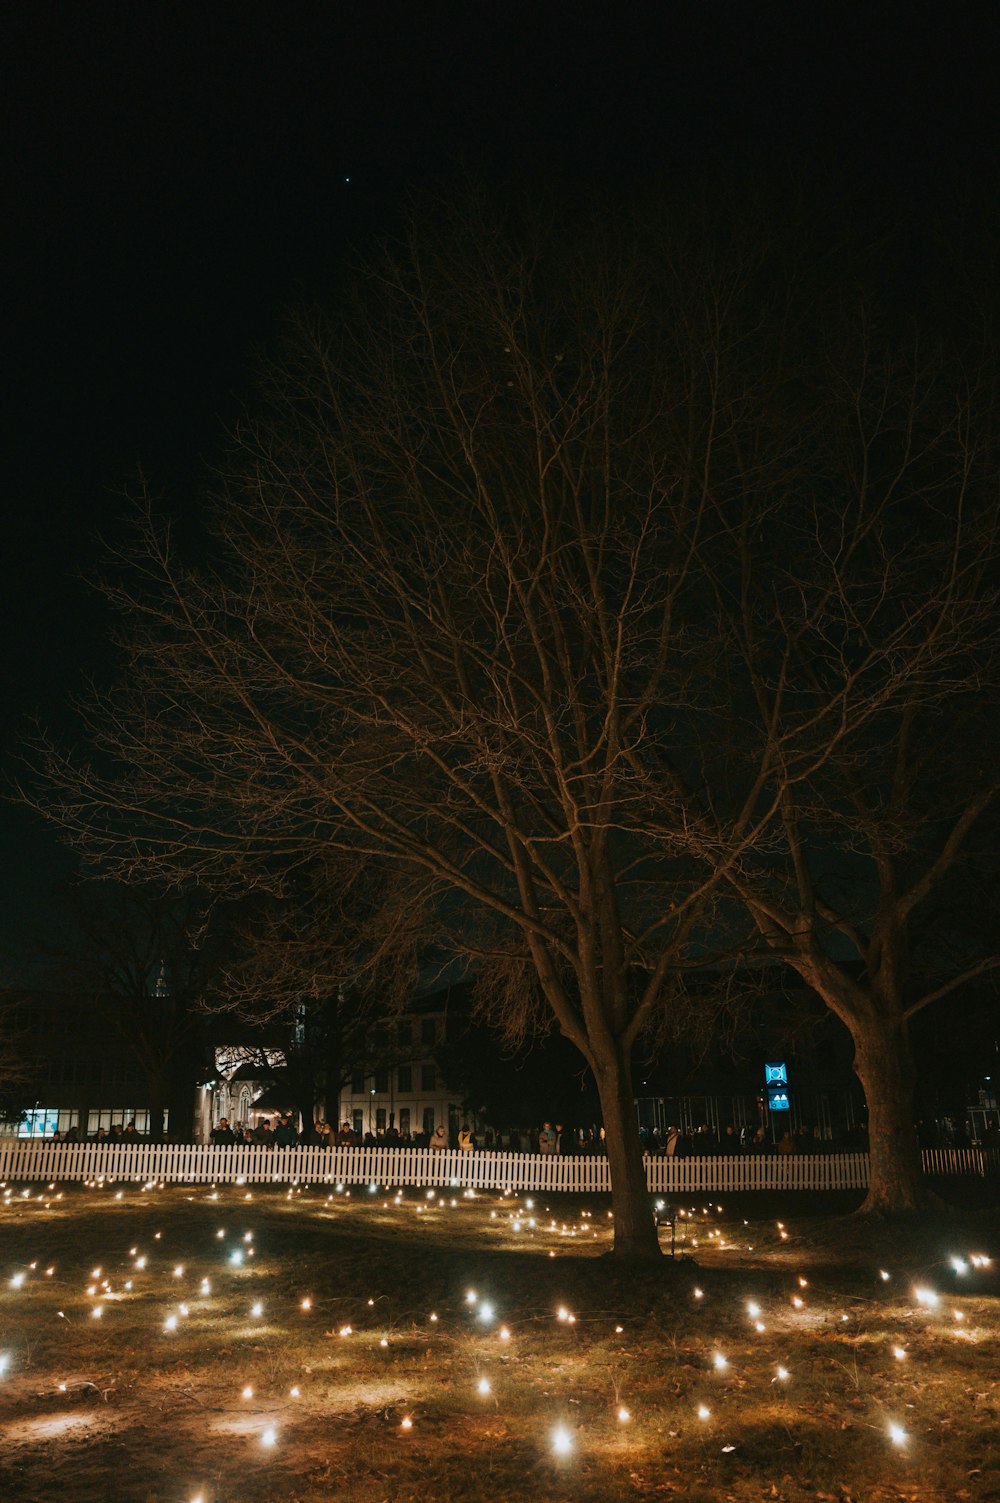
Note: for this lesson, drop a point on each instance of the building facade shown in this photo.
(80, 1075)
(402, 1087)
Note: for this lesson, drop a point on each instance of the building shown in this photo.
(392, 1078)
(81, 1073)
(432, 1066)
(402, 1085)
(775, 1060)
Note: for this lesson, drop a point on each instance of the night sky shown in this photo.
(174, 175)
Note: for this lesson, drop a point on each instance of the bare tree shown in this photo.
(507, 605)
(858, 618)
(449, 627)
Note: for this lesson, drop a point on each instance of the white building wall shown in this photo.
(394, 1103)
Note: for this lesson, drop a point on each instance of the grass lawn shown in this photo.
(168, 1345)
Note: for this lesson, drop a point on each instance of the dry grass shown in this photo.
(118, 1408)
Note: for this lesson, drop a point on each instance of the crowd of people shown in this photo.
(118, 1132)
(282, 1131)
(549, 1138)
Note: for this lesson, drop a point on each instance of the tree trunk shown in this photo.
(333, 1067)
(635, 1229)
(883, 1062)
(156, 1097)
(305, 1107)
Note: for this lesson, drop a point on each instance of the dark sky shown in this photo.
(174, 174)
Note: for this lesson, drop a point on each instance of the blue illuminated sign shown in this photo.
(777, 1099)
(776, 1074)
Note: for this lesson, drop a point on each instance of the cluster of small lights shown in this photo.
(100, 1290)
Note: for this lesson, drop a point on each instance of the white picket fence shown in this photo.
(28, 1162)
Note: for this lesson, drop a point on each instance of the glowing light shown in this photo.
(783, 1374)
(294, 1393)
(406, 1423)
(179, 1271)
(257, 1309)
(485, 1312)
(623, 1415)
(753, 1309)
(884, 1276)
(97, 1312)
(897, 1434)
(307, 1304)
(269, 1437)
(899, 1353)
(248, 1392)
(562, 1441)
(960, 1266)
(170, 1324)
(704, 1412)
(926, 1297)
(699, 1293)
(484, 1385)
(721, 1362)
